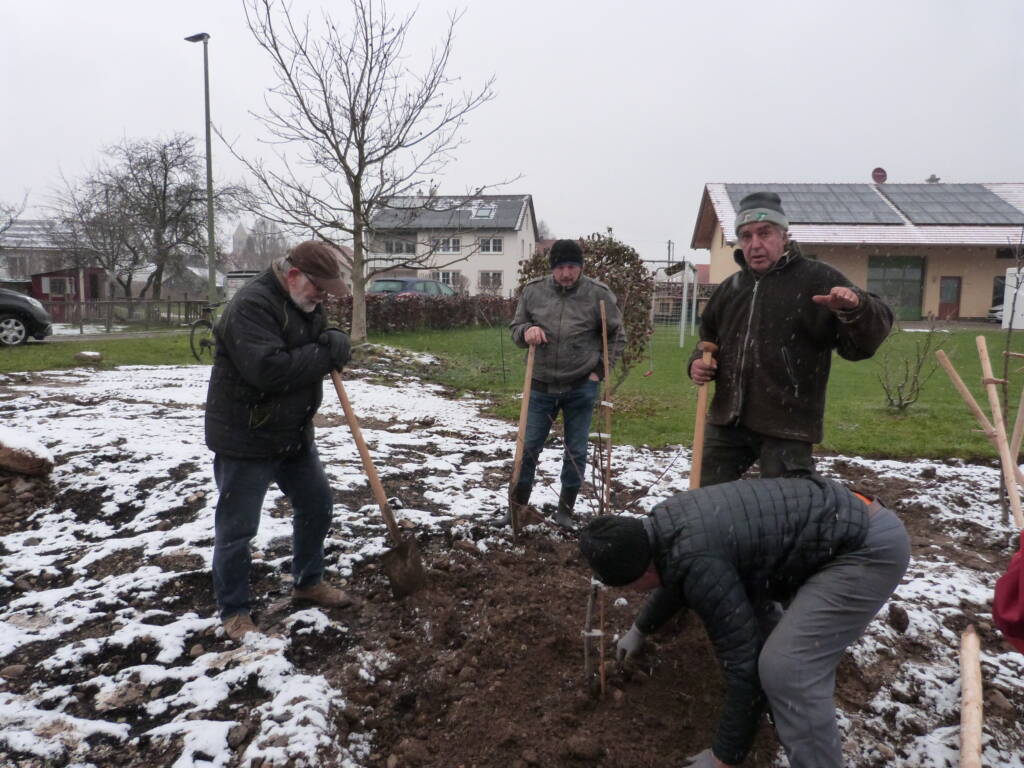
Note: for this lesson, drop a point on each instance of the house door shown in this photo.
(949, 298)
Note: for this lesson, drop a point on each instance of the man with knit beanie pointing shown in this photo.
(775, 323)
(560, 315)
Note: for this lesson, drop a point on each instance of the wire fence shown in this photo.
(109, 315)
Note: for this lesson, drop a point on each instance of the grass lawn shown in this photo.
(170, 348)
(657, 409)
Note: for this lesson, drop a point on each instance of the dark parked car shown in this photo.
(398, 286)
(21, 316)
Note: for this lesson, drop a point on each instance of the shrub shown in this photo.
(410, 312)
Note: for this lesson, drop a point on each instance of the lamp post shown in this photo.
(203, 37)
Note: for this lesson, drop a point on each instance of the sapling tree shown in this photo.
(903, 372)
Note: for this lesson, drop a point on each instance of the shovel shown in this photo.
(709, 349)
(402, 564)
(517, 466)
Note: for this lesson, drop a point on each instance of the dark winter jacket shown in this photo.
(267, 378)
(775, 344)
(571, 319)
(724, 551)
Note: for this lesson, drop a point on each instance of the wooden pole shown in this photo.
(971, 713)
(972, 405)
(1009, 475)
(708, 349)
(1018, 429)
(606, 407)
(524, 410)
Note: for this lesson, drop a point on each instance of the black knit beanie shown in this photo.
(761, 206)
(565, 252)
(617, 549)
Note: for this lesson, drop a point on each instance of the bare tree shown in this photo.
(10, 212)
(145, 204)
(369, 130)
(92, 224)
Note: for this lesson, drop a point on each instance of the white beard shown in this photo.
(306, 305)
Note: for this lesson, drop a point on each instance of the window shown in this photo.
(17, 266)
(491, 245)
(451, 279)
(446, 244)
(490, 281)
(58, 286)
(399, 246)
(485, 211)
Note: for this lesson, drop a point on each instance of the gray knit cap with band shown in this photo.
(761, 206)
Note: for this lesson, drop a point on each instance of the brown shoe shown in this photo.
(323, 594)
(238, 626)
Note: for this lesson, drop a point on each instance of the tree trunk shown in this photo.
(358, 330)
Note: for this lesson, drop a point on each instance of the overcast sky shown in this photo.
(614, 113)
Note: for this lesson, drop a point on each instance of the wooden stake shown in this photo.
(1009, 473)
(606, 406)
(973, 407)
(971, 714)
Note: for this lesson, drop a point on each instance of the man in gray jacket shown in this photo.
(560, 315)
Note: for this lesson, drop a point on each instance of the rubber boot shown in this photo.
(520, 498)
(566, 502)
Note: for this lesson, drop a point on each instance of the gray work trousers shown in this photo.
(797, 666)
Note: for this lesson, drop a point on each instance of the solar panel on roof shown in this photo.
(951, 204)
(823, 203)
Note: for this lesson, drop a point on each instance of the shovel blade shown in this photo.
(404, 568)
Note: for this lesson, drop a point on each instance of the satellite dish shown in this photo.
(879, 176)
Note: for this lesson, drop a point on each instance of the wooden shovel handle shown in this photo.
(364, 454)
(708, 349)
(524, 409)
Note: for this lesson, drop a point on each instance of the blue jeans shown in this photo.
(243, 484)
(577, 407)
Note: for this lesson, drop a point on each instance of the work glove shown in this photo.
(630, 644)
(339, 349)
(705, 759)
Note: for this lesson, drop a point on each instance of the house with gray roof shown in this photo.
(473, 244)
(931, 248)
(28, 247)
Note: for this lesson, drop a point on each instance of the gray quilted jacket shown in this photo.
(724, 550)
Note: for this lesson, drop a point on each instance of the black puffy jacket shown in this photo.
(267, 378)
(724, 550)
(775, 344)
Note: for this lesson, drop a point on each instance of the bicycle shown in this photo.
(201, 338)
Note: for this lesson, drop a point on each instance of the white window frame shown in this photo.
(446, 244)
(449, 277)
(492, 245)
(490, 286)
(485, 211)
(398, 247)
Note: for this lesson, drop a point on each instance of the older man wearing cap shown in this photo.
(560, 315)
(273, 350)
(726, 552)
(775, 323)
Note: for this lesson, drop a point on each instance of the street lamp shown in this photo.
(204, 38)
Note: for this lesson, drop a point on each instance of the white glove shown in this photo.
(630, 644)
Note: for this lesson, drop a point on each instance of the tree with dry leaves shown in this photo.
(354, 128)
